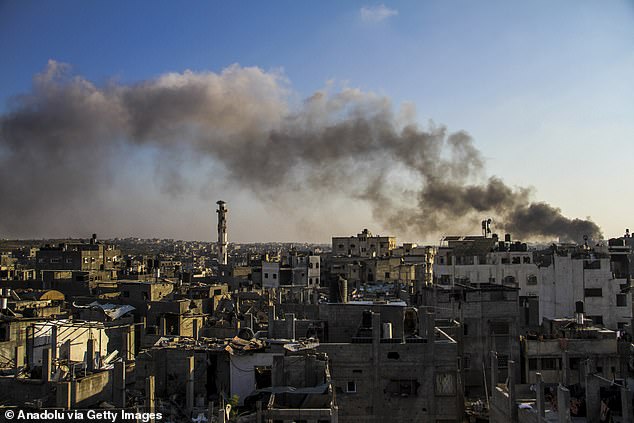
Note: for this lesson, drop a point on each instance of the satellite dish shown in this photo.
(228, 410)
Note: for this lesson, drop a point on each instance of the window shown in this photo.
(509, 280)
(340, 246)
(387, 275)
(516, 260)
(445, 279)
(317, 265)
(403, 387)
(55, 260)
(592, 264)
(466, 361)
(549, 364)
(532, 364)
(274, 275)
(217, 291)
(531, 280)
(593, 292)
(266, 276)
(527, 260)
(499, 328)
(393, 355)
(5, 332)
(351, 387)
(445, 384)
(465, 329)
(503, 361)
(621, 300)
(69, 261)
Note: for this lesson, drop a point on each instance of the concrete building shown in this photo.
(560, 354)
(300, 270)
(363, 245)
(489, 321)
(550, 282)
(98, 259)
(390, 363)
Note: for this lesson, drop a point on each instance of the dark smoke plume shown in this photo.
(61, 144)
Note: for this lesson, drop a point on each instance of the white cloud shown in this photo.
(377, 13)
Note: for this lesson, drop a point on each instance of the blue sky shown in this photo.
(545, 88)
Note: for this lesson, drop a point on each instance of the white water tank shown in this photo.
(387, 330)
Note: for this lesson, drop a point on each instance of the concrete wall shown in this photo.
(395, 382)
(92, 389)
(17, 391)
(243, 372)
(344, 319)
(71, 341)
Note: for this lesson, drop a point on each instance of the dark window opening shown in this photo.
(503, 361)
(263, 377)
(549, 364)
(403, 388)
(393, 355)
(499, 328)
(593, 292)
(5, 332)
(351, 386)
(592, 264)
(532, 364)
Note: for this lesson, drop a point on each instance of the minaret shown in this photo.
(222, 232)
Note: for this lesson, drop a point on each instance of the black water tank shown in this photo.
(366, 319)
(579, 307)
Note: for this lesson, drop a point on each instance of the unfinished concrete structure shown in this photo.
(363, 245)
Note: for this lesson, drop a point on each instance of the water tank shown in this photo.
(338, 290)
(579, 307)
(366, 319)
(387, 330)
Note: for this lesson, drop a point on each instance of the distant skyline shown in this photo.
(544, 90)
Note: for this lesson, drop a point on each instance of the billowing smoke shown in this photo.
(61, 144)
